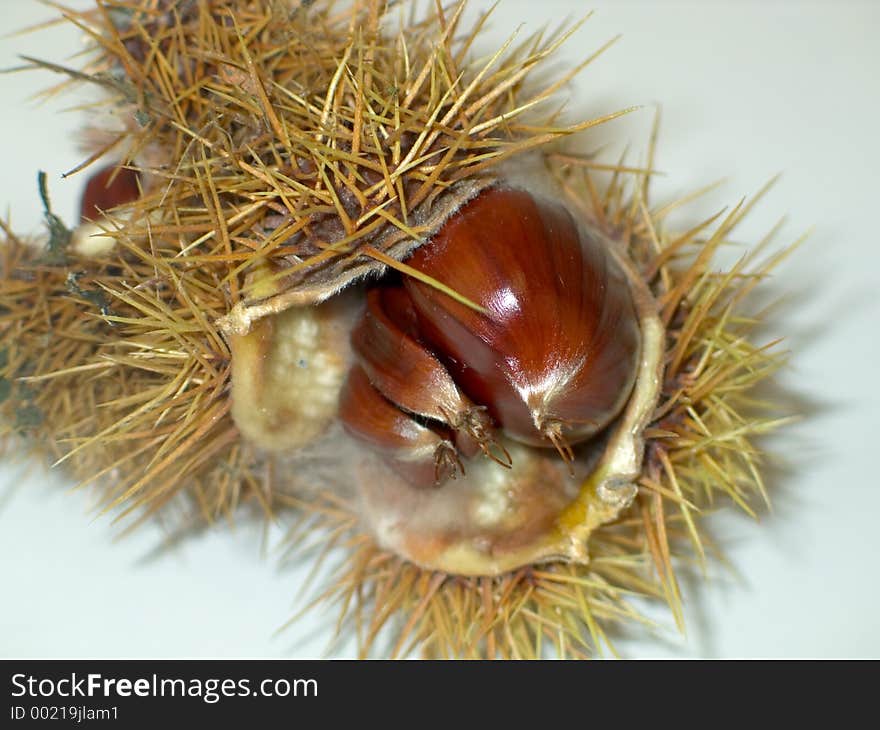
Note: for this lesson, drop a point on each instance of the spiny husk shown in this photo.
(282, 136)
(114, 368)
(307, 139)
(311, 137)
(700, 446)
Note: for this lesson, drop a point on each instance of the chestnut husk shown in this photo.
(492, 519)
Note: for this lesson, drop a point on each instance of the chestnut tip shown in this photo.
(475, 433)
(447, 463)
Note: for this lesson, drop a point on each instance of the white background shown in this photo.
(747, 89)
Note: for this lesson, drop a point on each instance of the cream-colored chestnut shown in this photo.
(287, 372)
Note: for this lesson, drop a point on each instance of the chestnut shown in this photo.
(408, 374)
(554, 353)
(421, 454)
(108, 188)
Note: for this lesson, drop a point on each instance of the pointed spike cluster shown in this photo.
(325, 134)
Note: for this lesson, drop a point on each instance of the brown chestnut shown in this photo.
(109, 187)
(410, 376)
(553, 354)
(421, 454)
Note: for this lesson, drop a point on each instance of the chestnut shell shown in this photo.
(555, 351)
